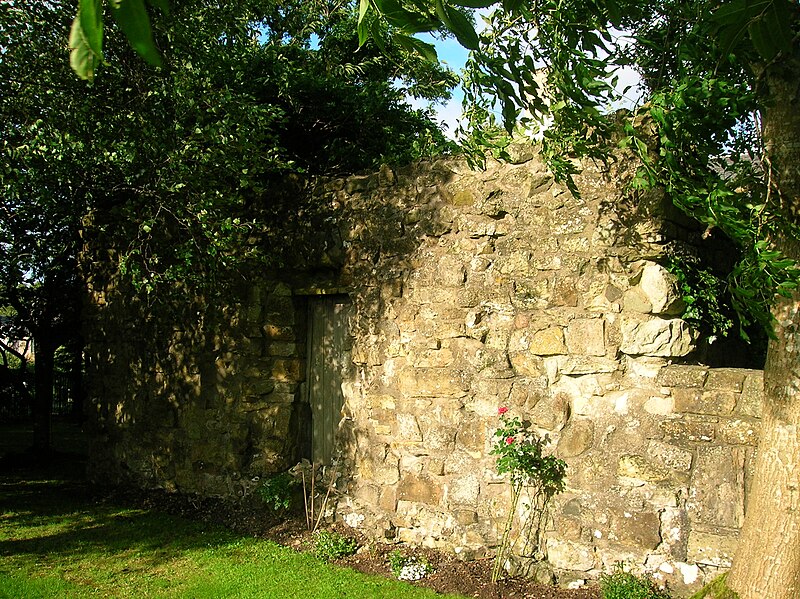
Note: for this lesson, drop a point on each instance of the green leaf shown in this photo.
(389, 8)
(512, 6)
(363, 32)
(761, 36)
(90, 13)
(776, 27)
(510, 114)
(614, 13)
(458, 24)
(135, 23)
(729, 37)
(768, 23)
(738, 12)
(81, 57)
(408, 22)
(378, 35)
(413, 44)
(591, 41)
(363, 6)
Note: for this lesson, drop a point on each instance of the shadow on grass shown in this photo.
(43, 515)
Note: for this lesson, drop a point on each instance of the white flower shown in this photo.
(413, 571)
(353, 520)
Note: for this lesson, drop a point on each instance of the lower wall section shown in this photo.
(188, 409)
(657, 471)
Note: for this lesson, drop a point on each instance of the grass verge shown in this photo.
(58, 540)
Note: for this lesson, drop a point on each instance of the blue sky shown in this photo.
(455, 55)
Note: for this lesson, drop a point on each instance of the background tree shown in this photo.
(173, 166)
(41, 205)
(16, 349)
(248, 95)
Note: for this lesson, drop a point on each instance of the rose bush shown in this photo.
(519, 452)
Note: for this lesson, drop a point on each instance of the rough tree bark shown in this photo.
(767, 563)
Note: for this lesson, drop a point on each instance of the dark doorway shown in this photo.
(329, 364)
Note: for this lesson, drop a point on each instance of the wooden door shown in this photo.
(329, 363)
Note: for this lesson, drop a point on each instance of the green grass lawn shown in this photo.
(56, 540)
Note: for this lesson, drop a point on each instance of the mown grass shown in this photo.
(57, 540)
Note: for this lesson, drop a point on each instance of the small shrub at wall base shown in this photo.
(620, 584)
(330, 545)
(278, 492)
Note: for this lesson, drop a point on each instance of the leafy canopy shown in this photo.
(38, 239)
(174, 160)
(555, 63)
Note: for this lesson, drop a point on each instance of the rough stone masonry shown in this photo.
(470, 290)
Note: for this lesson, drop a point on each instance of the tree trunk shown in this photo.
(76, 380)
(44, 349)
(767, 563)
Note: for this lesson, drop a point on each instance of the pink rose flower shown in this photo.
(509, 440)
(502, 410)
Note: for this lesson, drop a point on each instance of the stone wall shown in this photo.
(471, 291)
